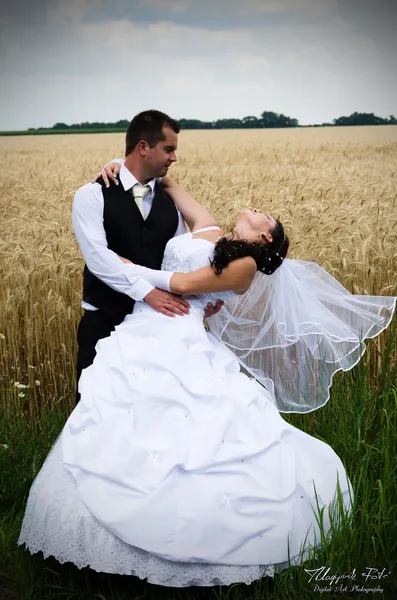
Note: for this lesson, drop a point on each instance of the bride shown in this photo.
(176, 466)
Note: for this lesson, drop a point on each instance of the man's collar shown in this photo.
(128, 180)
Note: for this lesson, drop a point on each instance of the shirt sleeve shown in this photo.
(133, 280)
(181, 229)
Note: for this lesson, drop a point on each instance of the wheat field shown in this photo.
(334, 189)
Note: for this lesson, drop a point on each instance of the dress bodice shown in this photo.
(185, 254)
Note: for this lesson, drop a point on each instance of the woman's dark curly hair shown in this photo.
(268, 257)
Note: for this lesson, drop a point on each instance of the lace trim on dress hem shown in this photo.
(200, 574)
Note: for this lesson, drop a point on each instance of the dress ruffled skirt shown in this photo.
(177, 468)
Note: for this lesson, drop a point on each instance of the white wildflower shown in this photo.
(37, 382)
(2, 336)
(21, 395)
(16, 384)
(5, 446)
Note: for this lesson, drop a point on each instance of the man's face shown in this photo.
(161, 157)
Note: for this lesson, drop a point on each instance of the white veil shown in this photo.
(294, 329)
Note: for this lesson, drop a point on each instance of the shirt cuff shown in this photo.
(162, 280)
(150, 279)
(140, 289)
(158, 279)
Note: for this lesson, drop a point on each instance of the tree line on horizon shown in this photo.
(267, 120)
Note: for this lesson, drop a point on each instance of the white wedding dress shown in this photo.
(175, 466)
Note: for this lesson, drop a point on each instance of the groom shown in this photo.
(133, 218)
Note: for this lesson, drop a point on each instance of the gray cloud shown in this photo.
(93, 60)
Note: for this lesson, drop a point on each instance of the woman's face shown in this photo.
(254, 226)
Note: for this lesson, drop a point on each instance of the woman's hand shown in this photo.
(125, 260)
(109, 171)
(212, 309)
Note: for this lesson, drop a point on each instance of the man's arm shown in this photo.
(129, 279)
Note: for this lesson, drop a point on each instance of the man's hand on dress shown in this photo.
(167, 303)
(109, 171)
(164, 302)
(171, 304)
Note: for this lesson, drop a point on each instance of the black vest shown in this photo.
(130, 236)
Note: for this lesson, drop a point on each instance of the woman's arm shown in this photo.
(237, 277)
(195, 215)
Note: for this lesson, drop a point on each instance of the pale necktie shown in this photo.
(139, 192)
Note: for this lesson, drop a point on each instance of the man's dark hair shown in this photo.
(148, 126)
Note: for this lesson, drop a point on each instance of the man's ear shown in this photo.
(142, 147)
(266, 237)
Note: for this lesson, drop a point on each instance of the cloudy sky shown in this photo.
(96, 60)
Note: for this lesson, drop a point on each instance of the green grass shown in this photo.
(62, 131)
(360, 423)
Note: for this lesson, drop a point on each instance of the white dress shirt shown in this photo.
(87, 219)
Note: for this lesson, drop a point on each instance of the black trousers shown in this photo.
(94, 326)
